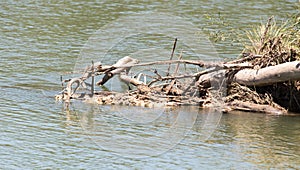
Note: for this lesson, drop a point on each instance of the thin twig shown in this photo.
(175, 73)
(262, 40)
(93, 77)
(62, 83)
(172, 54)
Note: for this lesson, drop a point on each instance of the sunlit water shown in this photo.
(42, 40)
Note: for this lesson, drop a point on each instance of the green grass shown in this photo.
(282, 37)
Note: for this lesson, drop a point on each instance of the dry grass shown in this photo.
(276, 43)
(272, 44)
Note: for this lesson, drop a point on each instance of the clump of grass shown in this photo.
(275, 43)
(272, 44)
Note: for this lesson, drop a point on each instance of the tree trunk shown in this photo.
(268, 75)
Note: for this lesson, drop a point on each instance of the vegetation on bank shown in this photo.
(271, 44)
(277, 43)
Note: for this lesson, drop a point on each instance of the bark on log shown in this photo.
(268, 75)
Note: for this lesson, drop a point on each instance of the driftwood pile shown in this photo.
(239, 79)
(160, 90)
(267, 81)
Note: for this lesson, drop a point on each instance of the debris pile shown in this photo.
(265, 79)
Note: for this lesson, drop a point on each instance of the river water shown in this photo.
(41, 40)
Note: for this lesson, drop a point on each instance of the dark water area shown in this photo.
(41, 40)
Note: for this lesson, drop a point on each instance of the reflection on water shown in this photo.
(246, 140)
(128, 134)
(41, 40)
(263, 140)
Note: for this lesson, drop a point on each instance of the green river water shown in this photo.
(41, 40)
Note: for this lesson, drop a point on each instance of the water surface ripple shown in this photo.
(41, 40)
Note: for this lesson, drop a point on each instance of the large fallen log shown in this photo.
(268, 75)
(256, 77)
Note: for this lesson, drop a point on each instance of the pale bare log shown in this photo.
(252, 107)
(192, 62)
(118, 68)
(164, 62)
(252, 77)
(268, 75)
(130, 80)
